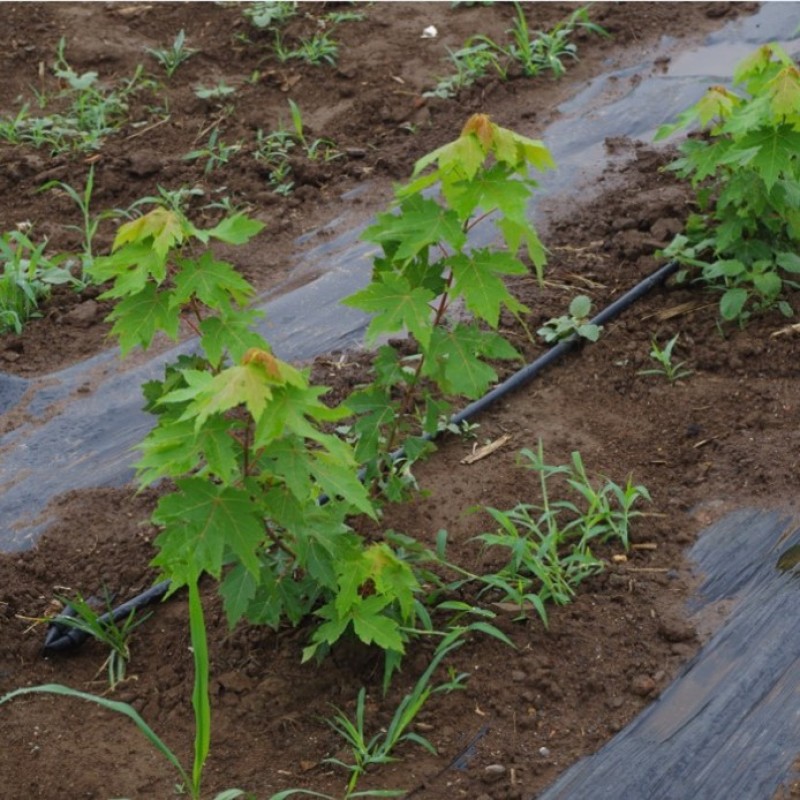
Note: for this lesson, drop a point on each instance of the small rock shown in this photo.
(544, 752)
(82, 315)
(518, 676)
(674, 630)
(643, 685)
(143, 164)
(493, 773)
(664, 229)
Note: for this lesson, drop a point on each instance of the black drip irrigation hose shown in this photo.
(60, 636)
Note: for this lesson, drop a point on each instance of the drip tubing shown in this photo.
(61, 636)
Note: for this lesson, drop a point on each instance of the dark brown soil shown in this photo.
(723, 437)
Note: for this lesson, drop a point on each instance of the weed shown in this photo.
(216, 153)
(380, 747)
(89, 223)
(546, 51)
(663, 357)
(319, 49)
(548, 554)
(92, 111)
(26, 279)
(214, 92)
(576, 323)
(173, 56)
(273, 150)
(471, 62)
(338, 17)
(82, 615)
(745, 168)
(200, 704)
(534, 54)
(270, 13)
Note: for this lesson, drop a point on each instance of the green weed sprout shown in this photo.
(319, 49)
(200, 703)
(89, 223)
(115, 635)
(270, 13)
(216, 153)
(214, 92)
(380, 747)
(576, 323)
(173, 56)
(663, 357)
(26, 278)
(549, 543)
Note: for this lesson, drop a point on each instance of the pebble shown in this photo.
(493, 773)
(544, 752)
(643, 685)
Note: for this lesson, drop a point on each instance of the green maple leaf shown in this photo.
(396, 306)
(238, 589)
(373, 411)
(777, 147)
(247, 385)
(457, 160)
(139, 317)
(454, 359)
(422, 222)
(175, 448)
(491, 189)
(232, 333)
(392, 577)
(130, 268)
(518, 234)
(373, 627)
(287, 459)
(784, 93)
(165, 227)
(477, 278)
(518, 151)
(291, 410)
(212, 282)
(236, 229)
(201, 521)
(336, 482)
(351, 575)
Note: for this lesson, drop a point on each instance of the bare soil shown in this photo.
(723, 437)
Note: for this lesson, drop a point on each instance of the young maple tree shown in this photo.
(429, 268)
(746, 169)
(242, 435)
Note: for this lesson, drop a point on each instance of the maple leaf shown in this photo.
(396, 306)
(139, 317)
(373, 627)
(491, 189)
(130, 268)
(232, 332)
(164, 226)
(292, 410)
(784, 93)
(421, 223)
(236, 229)
(477, 278)
(238, 589)
(201, 521)
(777, 147)
(212, 282)
(455, 359)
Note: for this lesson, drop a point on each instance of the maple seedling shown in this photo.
(746, 172)
(427, 266)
